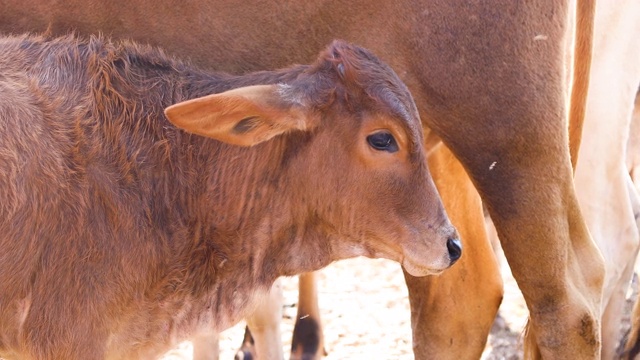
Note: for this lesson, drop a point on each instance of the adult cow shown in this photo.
(633, 145)
(607, 198)
(602, 179)
(121, 234)
(490, 80)
(632, 346)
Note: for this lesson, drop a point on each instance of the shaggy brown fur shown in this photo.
(121, 234)
(490, 78)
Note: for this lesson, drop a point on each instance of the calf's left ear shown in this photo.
(245, 116)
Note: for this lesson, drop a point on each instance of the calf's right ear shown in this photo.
(245, 116)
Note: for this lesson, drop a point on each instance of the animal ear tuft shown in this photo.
(338, 48)
(340, 68)
(245, 116)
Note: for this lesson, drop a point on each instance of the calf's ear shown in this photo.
(245, 116)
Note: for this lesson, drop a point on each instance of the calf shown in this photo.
(143, 200)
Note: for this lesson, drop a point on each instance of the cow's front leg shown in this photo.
(262, 338)
(206, 346)
(452, 313)
(308, 339)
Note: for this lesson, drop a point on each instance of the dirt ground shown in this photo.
(366, 315)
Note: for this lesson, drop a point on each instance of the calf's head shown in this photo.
(353, 164)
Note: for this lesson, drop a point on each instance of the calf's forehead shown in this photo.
(392, 101)
(389, 94)
(399, 104)
(364, 83)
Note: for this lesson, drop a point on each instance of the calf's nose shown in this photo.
(454, 246)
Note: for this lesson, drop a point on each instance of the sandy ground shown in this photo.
(366, 315)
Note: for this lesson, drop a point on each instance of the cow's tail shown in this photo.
(585, 13)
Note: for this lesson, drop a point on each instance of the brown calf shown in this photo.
(489, 78)
(121, 233)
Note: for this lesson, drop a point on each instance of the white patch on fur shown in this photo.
(24, 306)
(287, 93)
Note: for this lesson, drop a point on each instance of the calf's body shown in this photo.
(122, 233)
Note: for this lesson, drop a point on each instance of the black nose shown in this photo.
(455, 249)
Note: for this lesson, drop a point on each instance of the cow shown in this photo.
(606, 193)
(631, 348)
(633, 145)
(601, 177)
(144, 199)
(608, 200)
(607, 196)
(492, 82)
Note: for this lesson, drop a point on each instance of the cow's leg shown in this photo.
(613, 312)
(452, 313)
(262, 336)
(502, 109)
(206, 346)
(632, 346)
(308, 340)
(634, 195)
(633, 145)
(635, 177)
(547, 245)
(248, 348)
(601, 176)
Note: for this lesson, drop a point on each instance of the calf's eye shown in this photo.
(383, 141)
